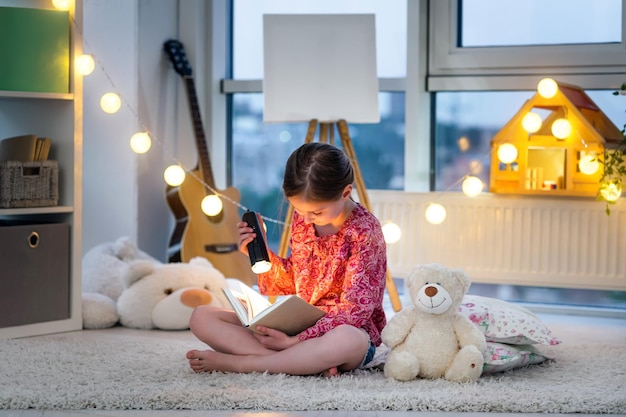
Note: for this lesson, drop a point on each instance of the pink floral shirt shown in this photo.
(343, 273)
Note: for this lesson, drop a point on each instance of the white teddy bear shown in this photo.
(123, 284)
(164, 296)
(102, 269)
(431, 339)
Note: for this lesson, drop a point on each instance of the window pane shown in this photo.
(467, 121)
(248, 30)
(260, 151)
(540, 22)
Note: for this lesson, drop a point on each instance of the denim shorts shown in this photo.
(369, 355)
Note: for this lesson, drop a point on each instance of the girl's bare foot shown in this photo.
(329, 373)
(205, 361)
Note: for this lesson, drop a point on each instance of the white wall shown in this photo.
(124, 193)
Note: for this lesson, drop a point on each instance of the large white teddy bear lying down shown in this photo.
(164, 296)
(431, 339)
(122, 284)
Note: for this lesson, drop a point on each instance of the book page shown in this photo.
(238, 301)
(255, 301)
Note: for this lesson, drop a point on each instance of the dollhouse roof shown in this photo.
(572, 101)
(592, 113)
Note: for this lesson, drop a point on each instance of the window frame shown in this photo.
(454, 68)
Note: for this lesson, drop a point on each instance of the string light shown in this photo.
(547, 88)
(140, 142)
(391, 232)
(561, 128)
(472, 186)
(211, 205)
(588, 163)
(531, 122)
(507, 153)
(435, 213)
(85, 64)
(611, 190)
(174, 175)
(110, 103)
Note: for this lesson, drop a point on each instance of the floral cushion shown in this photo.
(500, 357)
(504, 322)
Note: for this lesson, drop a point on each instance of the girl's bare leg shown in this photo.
(223, 332)
(342, 348)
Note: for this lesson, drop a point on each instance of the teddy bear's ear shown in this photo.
(201, 261)
(124, 249)
(463, 279)
(136, 270)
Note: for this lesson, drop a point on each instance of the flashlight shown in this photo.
(259, 258)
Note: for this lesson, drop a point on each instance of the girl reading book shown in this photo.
(337, 263)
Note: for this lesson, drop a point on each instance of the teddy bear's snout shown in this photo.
(195, 297)
(430, 291)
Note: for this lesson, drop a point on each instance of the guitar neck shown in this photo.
(204, 163)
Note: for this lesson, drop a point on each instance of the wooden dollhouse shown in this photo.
(553, 145)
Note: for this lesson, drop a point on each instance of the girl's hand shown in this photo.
(246, 235)
(275, 339)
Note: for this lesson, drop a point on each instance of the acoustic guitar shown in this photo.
(195, 233)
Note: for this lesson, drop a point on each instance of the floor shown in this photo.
(589, 328)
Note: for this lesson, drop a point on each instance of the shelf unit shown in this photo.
(58, 116)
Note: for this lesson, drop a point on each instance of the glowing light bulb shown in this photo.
(463, 143)
(561, 128)
(547, 88)
(476, 167)
(507, 153)
(391, 232)
(472, 186)
(62, 4)
(85, 64)
(211, 205)
(531, 122)
(140, 142)
(174, 175)
(284, 136)
(435, 213)
(110, 103)
(611, 190)
(588, 163)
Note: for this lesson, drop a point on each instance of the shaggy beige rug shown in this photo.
(66, 372)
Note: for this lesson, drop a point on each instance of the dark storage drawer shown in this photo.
(34, 273)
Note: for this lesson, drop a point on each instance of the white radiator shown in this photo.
(564, 242)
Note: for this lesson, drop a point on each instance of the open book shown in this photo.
(290, 314)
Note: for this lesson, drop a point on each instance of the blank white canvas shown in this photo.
(320, 67)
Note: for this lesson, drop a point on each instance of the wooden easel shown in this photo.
(327, 135)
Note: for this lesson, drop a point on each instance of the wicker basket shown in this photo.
(29, 184)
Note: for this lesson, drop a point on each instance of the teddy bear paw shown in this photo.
(402, 366)
(467, 365)
(98, 311)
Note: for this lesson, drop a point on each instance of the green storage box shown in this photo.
(35, 50)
